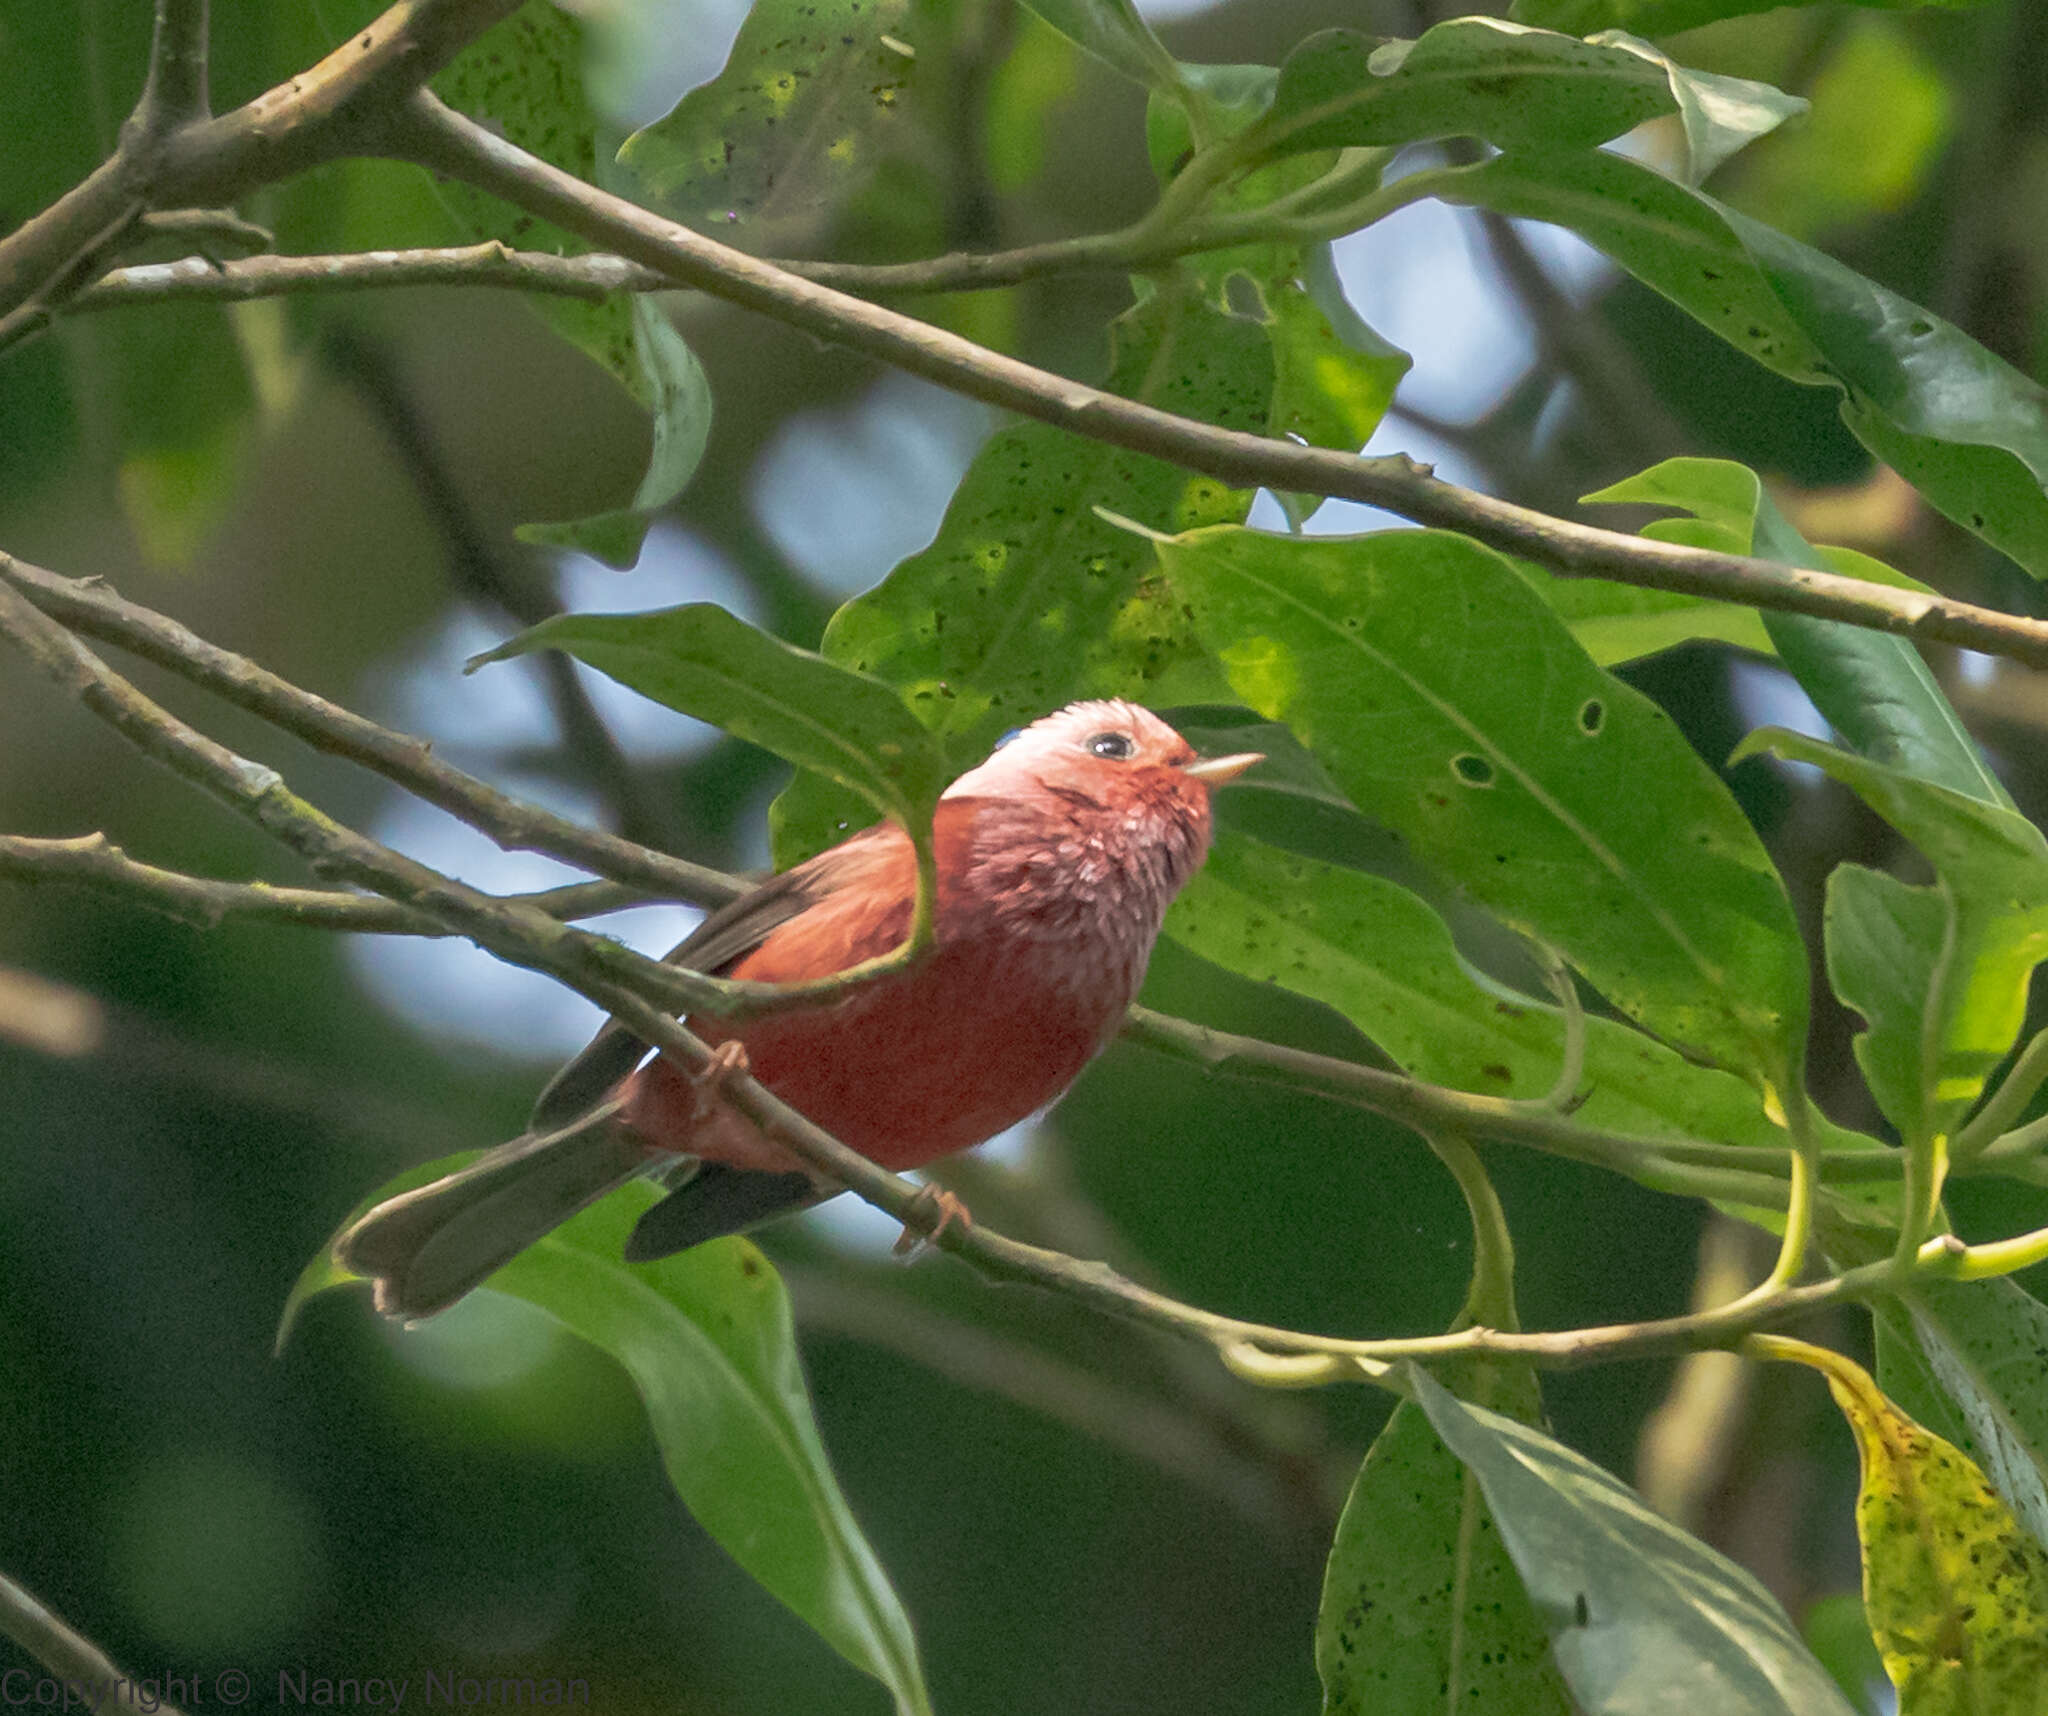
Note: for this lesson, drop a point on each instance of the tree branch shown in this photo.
(335, 108)
(175, 93)
(433, 136)
(96, 611)
(93, 861)
(87, 1672)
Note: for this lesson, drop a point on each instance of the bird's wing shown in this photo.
(728, 935)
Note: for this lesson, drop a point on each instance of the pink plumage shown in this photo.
(1056, 860)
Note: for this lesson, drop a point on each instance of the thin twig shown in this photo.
(86, 1672)
(174, 94)
(96, 611)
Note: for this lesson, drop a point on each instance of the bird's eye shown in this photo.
(1007, 737)
(1117, 747)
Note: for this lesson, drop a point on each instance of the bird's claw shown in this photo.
(728, 1060)
(915, 1236)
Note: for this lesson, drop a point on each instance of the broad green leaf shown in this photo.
(701, 660)
(1940, 974)
(1956, 1592)
(1422, 1610)
(1638, 1611)
(1966, 429)
(1668, 17)
(807, 107)
(1513, 86)
(524, 78)
(1027, 599)
(1116, 34)
(681, 396)
(1979, 1346)
(707, 1339)
(1874, 688)
(1614, 623)
(1381, 957)
(1454, 707)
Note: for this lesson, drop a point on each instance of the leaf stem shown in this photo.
(2006, 1104)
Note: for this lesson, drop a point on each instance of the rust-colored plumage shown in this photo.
(1056, 859)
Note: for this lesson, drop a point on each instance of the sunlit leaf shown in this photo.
(707, 1339)
(1940, 973)
(1956, 1592)
(701, 660)
(681, 399)
(1977, 1347)
(1511, 85)
(1453, 706)
(805, 111)
(1635, 1607)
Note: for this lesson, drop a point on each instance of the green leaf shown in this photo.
(1116, 34)
(1634, 1606)
(1515, 87)
(1422, 1609)
(1873, 688)
(1978, 1345)
(524, 78)
(701, 660)
(1384, 960)
(1614, 623)
(1454, 707)
(1956, 1592)
(809, 105)
(681, 395)
(707, 1339)
(1026, 599)
(1668, 17)
(1965, 428)
(1940, 974)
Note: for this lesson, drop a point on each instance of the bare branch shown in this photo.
(175, 92)
(93, 861)
(435, 137)
(87, 1672)
(96, 611)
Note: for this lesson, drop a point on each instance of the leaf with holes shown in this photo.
(707, 1339)
(1939, 973)
(1027, 599)
(1634, 1606)
(809, 105)
(701, 660)
(1452, 705)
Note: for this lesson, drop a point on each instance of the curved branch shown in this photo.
(433, 136)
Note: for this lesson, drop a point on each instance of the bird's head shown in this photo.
(1108, 756)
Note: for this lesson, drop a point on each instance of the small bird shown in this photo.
(1056, 860)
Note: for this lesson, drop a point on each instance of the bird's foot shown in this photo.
(915, 1236)
(728, 1060)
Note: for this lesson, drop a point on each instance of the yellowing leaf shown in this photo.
(1956, 1592)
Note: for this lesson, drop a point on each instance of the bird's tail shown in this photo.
(424, 1249)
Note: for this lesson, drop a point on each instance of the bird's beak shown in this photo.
(1214, 771)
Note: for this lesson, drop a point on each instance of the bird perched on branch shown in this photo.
(1056, 861)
